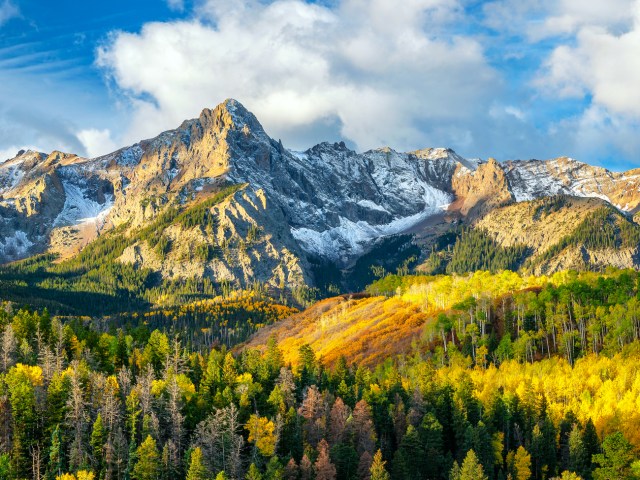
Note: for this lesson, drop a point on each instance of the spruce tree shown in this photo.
(471, 469)
(148, 465)
(197, 469)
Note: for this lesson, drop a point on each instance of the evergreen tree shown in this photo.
(56, 459)
(147, 466)
(615, 460)
(325, 470)
(197, 469)
(274, 471)
(98, 438)
(471, 469)
(412, 454)
(431, 437)
(253, 473)
(345, 458)
(578, 456)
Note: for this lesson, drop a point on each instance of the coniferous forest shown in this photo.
(511, 377)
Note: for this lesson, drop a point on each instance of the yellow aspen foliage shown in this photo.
(32, 373)
(262, 434)
(80, 475)
(522, 464)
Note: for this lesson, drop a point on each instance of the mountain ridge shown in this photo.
(328, 202)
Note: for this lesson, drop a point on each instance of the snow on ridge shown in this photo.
(15, 246)
(372, 205)
(130, 156)
(10, 176)
(299, 155)
(78, 208)
(350, 238)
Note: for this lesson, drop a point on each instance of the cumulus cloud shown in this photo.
(601, 64)
(96, 142)
(382, 75)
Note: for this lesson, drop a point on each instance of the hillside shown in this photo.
(535, 316)
(143, 404)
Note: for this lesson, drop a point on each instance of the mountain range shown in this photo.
(217, 198)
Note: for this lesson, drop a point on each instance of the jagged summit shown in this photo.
(287, 208)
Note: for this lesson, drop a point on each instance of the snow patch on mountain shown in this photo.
(79, 208)
(372, 205)
(15, 246)
(533, 179)
(352, 238)
(131, 156)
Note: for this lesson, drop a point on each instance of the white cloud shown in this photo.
(8, 10)
(602, 64)
(540, 19)
(385, 75)
(96, 142)
(597, 133)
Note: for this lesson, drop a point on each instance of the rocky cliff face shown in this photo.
(328, 202)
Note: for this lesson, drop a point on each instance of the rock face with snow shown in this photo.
(328, 202)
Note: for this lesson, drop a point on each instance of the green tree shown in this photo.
(615, 460)
(197, 469)
(157, 350)
(56, 455)
(412, 453)
(98, 438)
(148, 465)
(5, 467)
(253, 473)
(275, 471)
(471, 469)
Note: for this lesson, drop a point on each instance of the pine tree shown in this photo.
(197, 470)
(291, 471)
(578, 460)
(56, 459)
(471, 469)
(363, 427)
(364, 466)
(615, 459)
(306, 468)
(98, 437)
(345, 459)
(147, 466)
(412, 453)
(253, 473)
(274, 469)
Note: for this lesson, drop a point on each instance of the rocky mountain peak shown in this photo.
(328, 202)
(231, 115)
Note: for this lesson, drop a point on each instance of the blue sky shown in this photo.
(503, 78)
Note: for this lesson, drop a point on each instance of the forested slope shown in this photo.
(76, 404)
